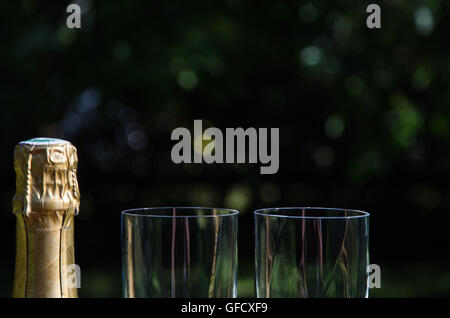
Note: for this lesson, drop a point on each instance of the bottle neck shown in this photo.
(45, 262)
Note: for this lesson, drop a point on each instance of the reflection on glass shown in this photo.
(179, 252)
(311, 252)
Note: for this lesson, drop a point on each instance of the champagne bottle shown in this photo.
(45, 203)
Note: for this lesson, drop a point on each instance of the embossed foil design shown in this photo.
(46, 200)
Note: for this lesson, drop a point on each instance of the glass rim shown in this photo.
(133, 212)
(267, 212)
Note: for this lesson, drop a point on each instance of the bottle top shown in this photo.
(46, 178)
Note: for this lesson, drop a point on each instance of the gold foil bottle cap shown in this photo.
(46, 178)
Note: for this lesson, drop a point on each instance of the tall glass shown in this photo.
(179, 252)
(311, 252)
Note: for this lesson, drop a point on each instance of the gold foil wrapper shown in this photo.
(46, 200)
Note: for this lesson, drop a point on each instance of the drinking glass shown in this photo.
(311, 252)
(179, 252)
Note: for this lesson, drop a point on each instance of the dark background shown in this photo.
(363, 117)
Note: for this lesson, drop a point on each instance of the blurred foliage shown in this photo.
(363, 117)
